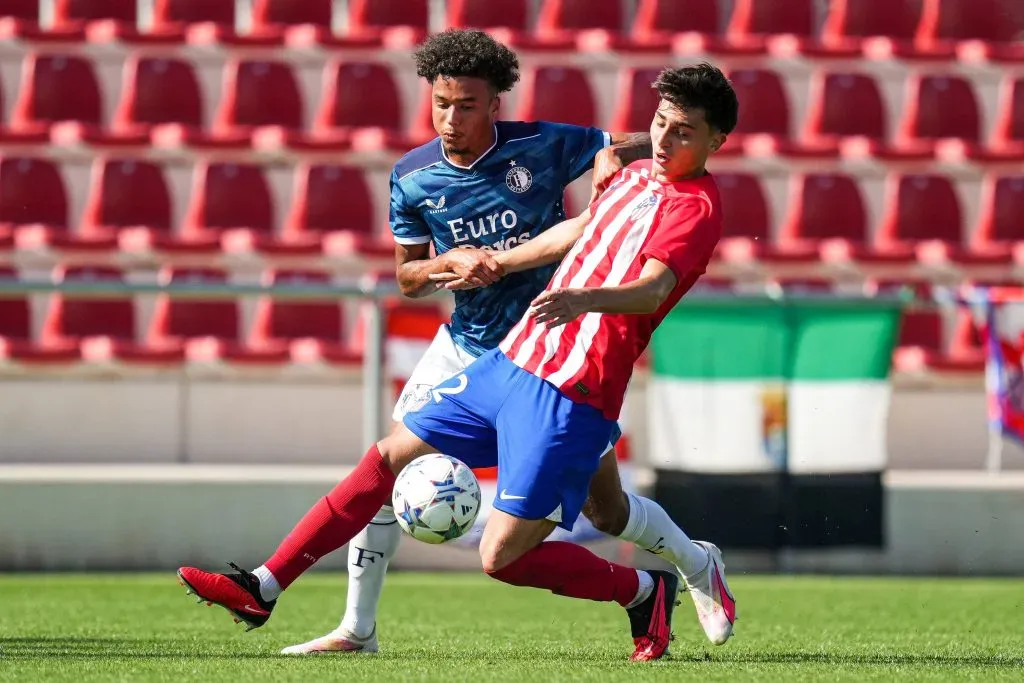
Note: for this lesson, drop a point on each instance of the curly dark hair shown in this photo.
(703, 86)
(454, 53)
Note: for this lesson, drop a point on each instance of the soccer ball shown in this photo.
(436, 498)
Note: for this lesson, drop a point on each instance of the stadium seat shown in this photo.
(883, 27)
(765, 107)
(844, 105)
(154, 92)
(657, 21)
(128, 198)
(33, 200)
(753, 21)
(176, 14)
(952, 20)
(361, 104)
(546, 90)
(270, 15)
(22, 10)
(1009, 126)
(746, 227)
(1000, 230)
(70, 319)
(570, 16)
(510, 14)
(55, 88)
(307, 329)
(317, 217)
(229, 200)
(940, 107)
(921, 329)
(374, 15)
(636, 99)
(919, 209)
(966, 353)
(78, 12)
(824, 207)
(258, 93)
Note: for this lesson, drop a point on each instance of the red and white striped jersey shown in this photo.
(637, 218)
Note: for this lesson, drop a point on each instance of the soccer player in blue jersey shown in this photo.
(483, 186)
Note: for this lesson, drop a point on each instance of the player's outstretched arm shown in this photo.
(414, 268)
(640, 297)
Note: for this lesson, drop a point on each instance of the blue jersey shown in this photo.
(512, 193)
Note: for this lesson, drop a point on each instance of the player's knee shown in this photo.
(610, 517)
(492, 560)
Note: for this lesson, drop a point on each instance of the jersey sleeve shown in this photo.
(578, 147)
(685, 236)
(407, 225)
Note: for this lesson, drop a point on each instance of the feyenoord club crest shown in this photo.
(519, 179)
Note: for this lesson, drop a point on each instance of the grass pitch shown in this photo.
(464, 627)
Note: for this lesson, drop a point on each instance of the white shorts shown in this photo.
(443, 359)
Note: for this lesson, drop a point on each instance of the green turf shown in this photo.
(465, 627)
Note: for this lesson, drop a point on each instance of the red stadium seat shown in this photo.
(658, 20)
(1000, 227)
(765, 103)
(316, 213)
(158, 91)
(823, 206)
(746, 225)
(258, 93)
(637, 100)
(844, 105)
(73, 318)
(229, 197)
(919, 208)
(756, 19)
(940, 107)
(1009, 126)
(510, 14)
(275, 14)
(127, 195)
(77, 12)
(546, 90)
(986, 20)
(308, 329)
(15, 319)
(965, 348)
(559, 16)
(373, 15)
(24, 10)
(33, 200)
(921, 329)
(855, 19)
(169, 14)
(56, 88)
(360, 95)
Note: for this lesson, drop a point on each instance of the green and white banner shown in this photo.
(758, 386)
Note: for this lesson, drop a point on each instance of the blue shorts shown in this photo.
(546, 446)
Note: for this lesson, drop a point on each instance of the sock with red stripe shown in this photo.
(331, 523)
(569, 569)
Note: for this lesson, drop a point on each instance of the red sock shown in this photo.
(569, 569)
(335, 519)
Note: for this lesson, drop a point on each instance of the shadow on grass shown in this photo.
(114, 648)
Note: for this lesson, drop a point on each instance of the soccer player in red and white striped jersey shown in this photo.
(543, 405)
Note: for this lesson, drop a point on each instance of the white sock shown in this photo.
(368, 556)
(270, 589)
(651, 529)
(643, 591)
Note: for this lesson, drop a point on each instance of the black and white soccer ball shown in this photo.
(436, 498)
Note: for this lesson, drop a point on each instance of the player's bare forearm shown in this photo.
(417, 272)
(550, 246)
(630, 147)
(414, 277)
(641, 296)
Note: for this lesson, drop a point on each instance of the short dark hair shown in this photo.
(455, 53)
(703, 86)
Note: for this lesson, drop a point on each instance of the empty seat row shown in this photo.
(107, 327)
(827, 217)
(359, 97)
(917, 25)
(129, 204)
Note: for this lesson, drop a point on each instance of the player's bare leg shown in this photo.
(643, 522)
(513, 550)
(368, 556)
